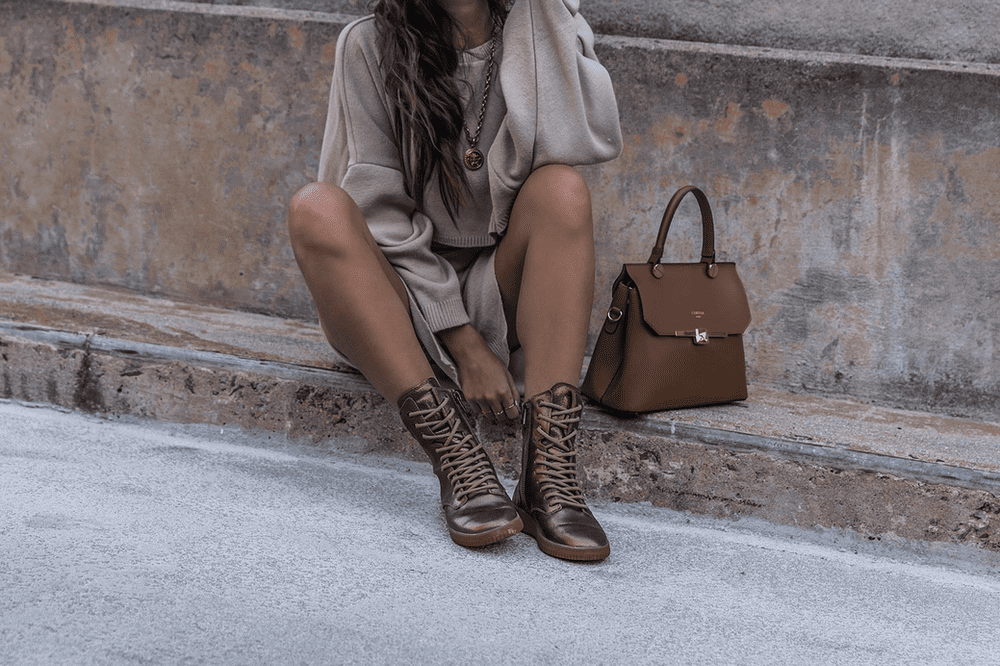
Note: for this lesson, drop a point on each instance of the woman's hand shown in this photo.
(485, 380)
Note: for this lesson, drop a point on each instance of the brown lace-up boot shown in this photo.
(548, 494)
(476, 507)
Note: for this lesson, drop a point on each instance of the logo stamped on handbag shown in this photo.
(698, 314)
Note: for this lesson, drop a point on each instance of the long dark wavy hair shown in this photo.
(419, 60)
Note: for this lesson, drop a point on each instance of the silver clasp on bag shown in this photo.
(614, 314)
(700, 336)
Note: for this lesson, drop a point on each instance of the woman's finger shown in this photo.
(494, 407)
(484, 408)
(497, 407)
(499, 402)
(511, 410)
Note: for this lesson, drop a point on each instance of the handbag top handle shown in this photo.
(707, 228)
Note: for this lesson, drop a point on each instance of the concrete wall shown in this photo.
(860, 199)
(934, 29)
(157, 151)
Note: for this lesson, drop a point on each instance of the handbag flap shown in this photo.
(686, 299)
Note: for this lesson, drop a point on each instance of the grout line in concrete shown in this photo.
(129, 349)
(805, 57)
(836, 456)
(272, 13)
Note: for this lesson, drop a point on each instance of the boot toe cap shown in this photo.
(575, 529)
(481, 518)
(569, 534)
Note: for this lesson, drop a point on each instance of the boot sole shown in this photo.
(559, 550)
(490, 536)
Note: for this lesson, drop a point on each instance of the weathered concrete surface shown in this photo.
(727, 483)
(789, 459)
(157, 151)
(859, 203)
(932, 29)
(140, 318)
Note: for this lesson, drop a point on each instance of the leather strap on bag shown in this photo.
(707, 228)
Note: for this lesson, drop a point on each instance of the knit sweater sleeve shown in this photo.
(360, 156)
(561, 105)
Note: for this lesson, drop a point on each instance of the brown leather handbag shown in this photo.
(673, 336)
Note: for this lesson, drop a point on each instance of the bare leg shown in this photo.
(362, 303)
(545, 269)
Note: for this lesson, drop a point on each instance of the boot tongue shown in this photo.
(421, 394)
(565, 396)
(443, 409)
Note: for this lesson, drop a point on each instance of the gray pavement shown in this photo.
(126, 543)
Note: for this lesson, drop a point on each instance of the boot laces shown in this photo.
(558, 480)
(463, 458)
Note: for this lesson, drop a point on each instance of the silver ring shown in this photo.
(513, 404)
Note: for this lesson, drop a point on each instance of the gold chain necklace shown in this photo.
(473, 157)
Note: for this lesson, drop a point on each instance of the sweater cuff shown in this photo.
(441, 315)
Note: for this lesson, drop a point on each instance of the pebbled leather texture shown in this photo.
(477, 509)
(548, 495)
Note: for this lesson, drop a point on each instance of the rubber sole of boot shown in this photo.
(490, 536)
(559, 550)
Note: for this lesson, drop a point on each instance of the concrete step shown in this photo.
(929, 29)
(792, 459)
(154, 145)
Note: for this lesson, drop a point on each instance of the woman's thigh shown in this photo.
(554, 201)
(325, 221)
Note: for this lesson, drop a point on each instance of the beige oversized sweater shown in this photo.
(552, 103)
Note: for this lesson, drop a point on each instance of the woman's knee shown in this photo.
(561, 195)
(321, 216)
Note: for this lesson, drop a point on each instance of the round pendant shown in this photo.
(473, 159)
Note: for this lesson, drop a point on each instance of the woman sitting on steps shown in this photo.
(448, 228)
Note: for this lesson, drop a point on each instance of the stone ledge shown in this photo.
(789, 459)
(699, 469)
